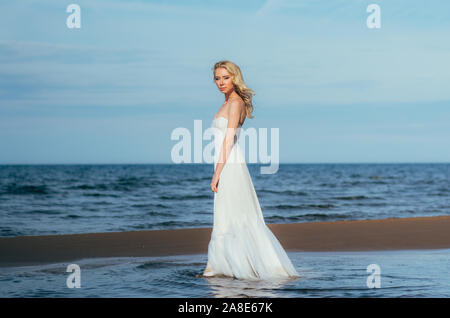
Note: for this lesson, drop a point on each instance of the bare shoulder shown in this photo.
(236, 103)
(237, 99)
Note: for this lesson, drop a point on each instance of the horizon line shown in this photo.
(194, 163)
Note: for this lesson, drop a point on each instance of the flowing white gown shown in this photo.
(241, 245)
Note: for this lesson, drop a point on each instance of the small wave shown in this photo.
(96, 194)
(323, 216)
(159, 182)
(41, 211)
(100, 203)
(330, 185)
(356, 197)
(129, 183)
(287, 192)
(352, 183)
(73, 216)
(26, 189)
(170, 225)
(88, 187)
(196, 179)
(185, 197)
(310, 217)
(419, 182)
(121, 184)
(150, 205)
(156, 265)
(300, 206)
(165, 214)
(439, 194)
(369, 204)
(129, 180)
(7, 231)
(379, 182)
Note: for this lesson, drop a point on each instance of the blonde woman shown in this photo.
(241, 244)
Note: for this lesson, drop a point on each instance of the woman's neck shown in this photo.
(230, 95)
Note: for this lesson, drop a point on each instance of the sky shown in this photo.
(115, 89)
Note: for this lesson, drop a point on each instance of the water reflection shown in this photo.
(229, 287)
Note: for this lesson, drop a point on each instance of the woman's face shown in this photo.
(223, 80)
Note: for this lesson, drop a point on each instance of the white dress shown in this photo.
(241, 245)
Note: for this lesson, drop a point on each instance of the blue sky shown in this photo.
(114, 90)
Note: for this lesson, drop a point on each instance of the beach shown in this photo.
(414, 233)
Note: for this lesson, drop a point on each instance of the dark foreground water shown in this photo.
(63, 199)
(323, 274)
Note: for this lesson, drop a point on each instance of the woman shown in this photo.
(241, 244)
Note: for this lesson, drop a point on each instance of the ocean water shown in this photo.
(415, 273)
(66, 199)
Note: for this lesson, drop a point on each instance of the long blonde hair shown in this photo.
(239, 85)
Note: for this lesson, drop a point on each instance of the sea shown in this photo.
(67, 199)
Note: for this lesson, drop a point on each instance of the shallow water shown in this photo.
(418, 273)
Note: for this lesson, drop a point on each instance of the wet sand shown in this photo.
(359, 235)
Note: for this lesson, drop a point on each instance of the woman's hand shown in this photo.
(214, 183)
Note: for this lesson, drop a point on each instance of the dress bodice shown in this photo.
(220, 125)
